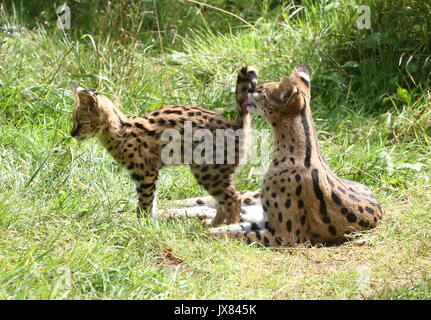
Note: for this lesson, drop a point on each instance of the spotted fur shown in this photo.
(302, 199)
(135, 142)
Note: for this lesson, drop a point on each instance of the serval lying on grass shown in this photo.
(302, 199)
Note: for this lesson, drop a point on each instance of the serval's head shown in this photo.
(276, 100)
(90, 113)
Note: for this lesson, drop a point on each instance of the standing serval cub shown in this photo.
(302, 199)
(137, 142)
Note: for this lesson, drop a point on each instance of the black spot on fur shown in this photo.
(353, 190)
(351, 217)
(341, 190)
(369, 210)
(258, 236)
(279, 241)
(364, 224)
(136, 176)
(298, 190)
(146, 185)
(303, 220)
(374, 204)
(289, 225)
(247, 201)
(354, 198)
(332, 230)
(254, 226)
(216, 192)
(336, 198)
(318, 191)
(215, 184)
(326, 219)
(148, 132)
(173, 111)
(300, 204)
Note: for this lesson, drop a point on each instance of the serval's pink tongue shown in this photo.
(244, 104)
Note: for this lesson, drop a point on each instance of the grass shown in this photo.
(67, 223)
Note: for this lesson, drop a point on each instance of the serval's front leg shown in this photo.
(145, 181)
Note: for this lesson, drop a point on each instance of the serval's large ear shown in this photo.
(286, 88)
(85, 98)
(302, 73)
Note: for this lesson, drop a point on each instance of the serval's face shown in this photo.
(87, 117)
(275, 100)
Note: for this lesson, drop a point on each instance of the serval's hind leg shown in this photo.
(202, 202)
(217, 180)
(244, 231)
(205, 208)
(201, 213)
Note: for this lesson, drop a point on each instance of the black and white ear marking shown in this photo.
(305, 78)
